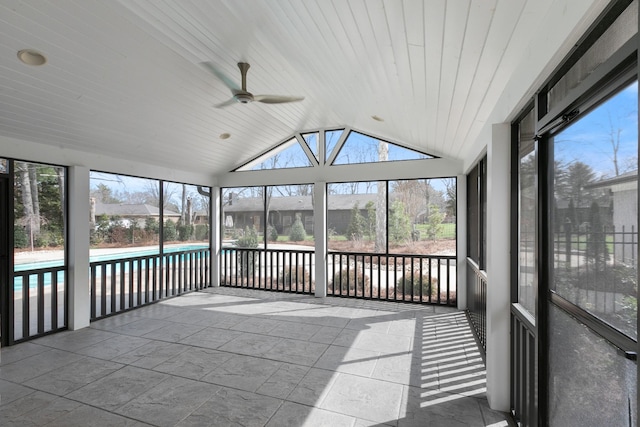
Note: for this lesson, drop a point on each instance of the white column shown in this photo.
(498, 289)
(320, 236)
(78, 247)
(461, 244)
(215, 236)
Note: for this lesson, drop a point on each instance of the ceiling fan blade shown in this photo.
(233, 86)
(226, 103)
(277, 99)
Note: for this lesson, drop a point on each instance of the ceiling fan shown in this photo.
(240, 94)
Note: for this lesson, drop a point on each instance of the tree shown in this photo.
(297, 233)
(434, 226)
(597, 251)
(356, 227)
(381, 203)
(399, 222)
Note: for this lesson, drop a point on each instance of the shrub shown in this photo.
(297, 231)
(246, 259)
(411, 285)
(185, 231)
(272, 233)
(151, 225)
(352, 277)
(248, 239)
(291, 276)
(202, 232)
(20, 238)
(169, 232)
(356, 227)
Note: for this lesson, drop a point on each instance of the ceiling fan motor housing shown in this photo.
(244, 98)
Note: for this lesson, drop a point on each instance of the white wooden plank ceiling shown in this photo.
(123, 79)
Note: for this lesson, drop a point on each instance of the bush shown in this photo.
(272, 233)
(292, 276)
(202, 232)
(151, 225)
(411, 285)
(169, 232)
(356, 227)
(185, 231)
(352, 277)
(20, 238)
(248, 239)
(297, 231)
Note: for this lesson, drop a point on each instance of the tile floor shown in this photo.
(232, 357)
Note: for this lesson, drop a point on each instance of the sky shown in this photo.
(588, 139)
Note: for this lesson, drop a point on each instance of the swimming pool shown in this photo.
(134, 265)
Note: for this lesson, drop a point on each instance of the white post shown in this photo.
(498, 260)
(320, 236)
(215, 236)
(461, 244)
(78, 247)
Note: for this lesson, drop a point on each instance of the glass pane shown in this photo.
(190, 228)
(356, 216)
(422, 216)
(290, 215)
(594, 223)
(39, 215)
(625, 27)
(528, 204)
(4, 166)
(243, 216)
(331, 138)
(590, 382)
(287, 155)
(125, 214)
(361, 148)
(312, 141)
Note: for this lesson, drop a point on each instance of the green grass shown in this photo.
(448, 231)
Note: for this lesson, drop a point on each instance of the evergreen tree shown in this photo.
(297, 231)
(356, 227)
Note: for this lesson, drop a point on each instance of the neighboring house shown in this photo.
(248, 211)
(138, 212)
(624, 193)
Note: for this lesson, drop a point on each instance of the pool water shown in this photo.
(33, 278)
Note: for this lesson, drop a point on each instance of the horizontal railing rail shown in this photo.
(282, 270)
(39, 302)
(122, 284)
(429, 279)
(477, 301)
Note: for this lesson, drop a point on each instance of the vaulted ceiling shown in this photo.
(124, 78)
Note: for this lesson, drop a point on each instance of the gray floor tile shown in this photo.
(350, 360)
(73, 376)
(326, 335)
(19, 352)
(38, 408)
(364, 398)
(296, 352)
(295, 414)
(113, 347)
(313, 388)
(211, 337)
(233, 408)
(10, 391)
(257, 325)
(298, 331)
(140, 327)
(194, 363)
(243, 372)
(173, 332)
(250, 344)
(88, 416)
(169, 402)
(33, 366)
(382, 343)
(151, 354)
(118, 388)
(283, 381)
(75, 340)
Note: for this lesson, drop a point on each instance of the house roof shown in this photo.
(135, 209)
(298, 203)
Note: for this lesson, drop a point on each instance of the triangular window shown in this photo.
(314, 144)
(289, 154)
(361, 148)
(331, 138)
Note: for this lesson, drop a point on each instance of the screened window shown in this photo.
(361, 148)
(595, 223)
(476, 215)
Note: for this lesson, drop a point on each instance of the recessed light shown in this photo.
(225, 135)
(377, 118)
(32, 57)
